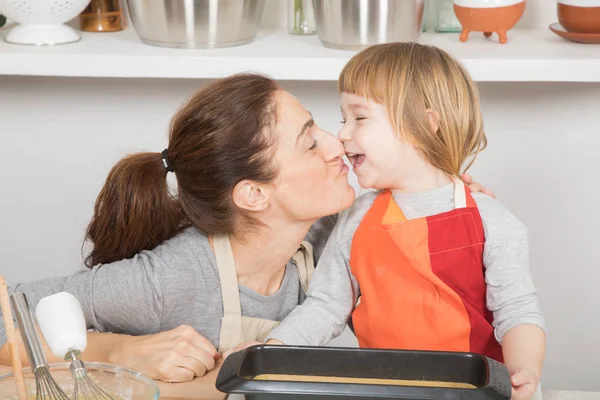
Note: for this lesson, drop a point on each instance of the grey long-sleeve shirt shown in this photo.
(176, 283)
(333, 291)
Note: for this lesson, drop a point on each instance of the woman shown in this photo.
(179, 280)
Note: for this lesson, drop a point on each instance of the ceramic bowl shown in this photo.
(581, 16)
(42, 22)
(488, 16)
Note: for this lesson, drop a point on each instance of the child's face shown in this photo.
(381, 160)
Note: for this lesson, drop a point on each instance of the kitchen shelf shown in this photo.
(530, 56)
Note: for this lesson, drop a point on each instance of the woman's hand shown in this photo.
(474, 186)
(178, 355)
(524, 383)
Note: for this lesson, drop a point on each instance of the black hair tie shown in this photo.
(165, 161)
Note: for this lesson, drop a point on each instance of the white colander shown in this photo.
(41, 22)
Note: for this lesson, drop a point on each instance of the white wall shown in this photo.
(60, 136)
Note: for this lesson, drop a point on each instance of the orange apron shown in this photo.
(422, 280)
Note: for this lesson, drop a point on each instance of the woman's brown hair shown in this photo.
(411, 80)
(220, 137)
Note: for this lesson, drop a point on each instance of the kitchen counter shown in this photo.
(548, 395)
(200, 388)
(570, 395)
(204, 389)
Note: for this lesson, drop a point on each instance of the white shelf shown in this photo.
(529, 56)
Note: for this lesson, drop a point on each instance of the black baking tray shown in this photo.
(491, 378)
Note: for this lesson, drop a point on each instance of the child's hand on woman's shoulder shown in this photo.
(475, 187)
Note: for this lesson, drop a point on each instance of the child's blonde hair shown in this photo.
(411, 80)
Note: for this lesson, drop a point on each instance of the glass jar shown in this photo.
(301, 17)
(445, 18)
(426, 11)
(102, 16)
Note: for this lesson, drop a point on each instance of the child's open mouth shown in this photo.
(355, 159)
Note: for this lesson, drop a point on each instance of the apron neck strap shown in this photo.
(460, 194)
(305, 263)
(227, 275)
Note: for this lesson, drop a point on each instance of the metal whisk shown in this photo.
(85, 388)
(46, 387)
(63, 325)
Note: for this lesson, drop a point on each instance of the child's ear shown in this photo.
(434, 119)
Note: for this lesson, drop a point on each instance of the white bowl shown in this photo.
(486, 3)
(41, 22)
(580, 3)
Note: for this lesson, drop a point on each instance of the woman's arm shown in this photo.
(5, 358)
(102, 347)
(123, 297)
(177, 355)
(127, 297)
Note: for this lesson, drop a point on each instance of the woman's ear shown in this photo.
(250, 195)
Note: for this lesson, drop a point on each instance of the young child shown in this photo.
(420, 263)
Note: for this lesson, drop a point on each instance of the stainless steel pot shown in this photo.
(355, 24)
(196, 24)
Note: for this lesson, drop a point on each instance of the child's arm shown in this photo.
(331, 297)
(512, 297)
(524, 347)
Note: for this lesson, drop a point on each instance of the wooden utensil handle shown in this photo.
(12, 341)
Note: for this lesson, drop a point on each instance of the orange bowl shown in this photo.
(579, 19)
(488, 20)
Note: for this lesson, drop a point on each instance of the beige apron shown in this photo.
(236, 328)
